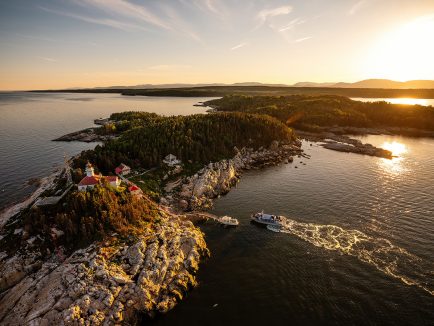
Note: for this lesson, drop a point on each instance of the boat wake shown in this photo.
(381, 253)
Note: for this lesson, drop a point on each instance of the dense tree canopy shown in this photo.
(146, 138)
(91, 215)
(303, 111)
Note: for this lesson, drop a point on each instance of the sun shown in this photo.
(405, 53)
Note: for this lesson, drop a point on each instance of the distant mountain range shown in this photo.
(373, 83)
(368, 83)
(385, 83)
(179, 85)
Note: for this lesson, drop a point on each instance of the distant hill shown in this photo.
(386, 83)
(313, 84)
(368, 83)
(179, 85)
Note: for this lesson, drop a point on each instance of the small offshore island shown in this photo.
(121, 253)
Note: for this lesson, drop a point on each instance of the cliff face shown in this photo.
(106, 283)
(216, 179)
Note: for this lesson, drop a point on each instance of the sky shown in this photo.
(53, 44)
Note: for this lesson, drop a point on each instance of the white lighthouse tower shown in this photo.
(89, 170)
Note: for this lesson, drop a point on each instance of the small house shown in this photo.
(171, 160)
(123, 169)
(113, 180)
(134, 190)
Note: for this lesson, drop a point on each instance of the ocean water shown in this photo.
(358, 248)
(29, 121)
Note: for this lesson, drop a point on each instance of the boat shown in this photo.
(268, 219)
(227, 220)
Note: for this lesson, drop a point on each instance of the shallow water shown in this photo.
(358, 249)
(29, 121)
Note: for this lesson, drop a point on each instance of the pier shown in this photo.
(200, 216)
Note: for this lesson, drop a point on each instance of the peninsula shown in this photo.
(113, 253)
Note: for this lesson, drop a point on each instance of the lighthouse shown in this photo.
(89, 170)
(91, 180)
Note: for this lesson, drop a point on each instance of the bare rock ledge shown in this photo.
(104, 284)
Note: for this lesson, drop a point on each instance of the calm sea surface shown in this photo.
(359, 249)
(29, 121)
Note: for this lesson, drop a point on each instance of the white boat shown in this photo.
(227, 220)
(268, 219)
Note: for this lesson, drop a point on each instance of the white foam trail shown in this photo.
(386, 257)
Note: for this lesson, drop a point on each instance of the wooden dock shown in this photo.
(199, 216)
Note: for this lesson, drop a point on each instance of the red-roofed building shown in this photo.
(134, 190)
(113, 180)
(91, 180)
(123, 169)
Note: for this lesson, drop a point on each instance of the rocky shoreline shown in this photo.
(120, 280)
(113, 282)
(395, 131)
(87, 135)
(196, 192)
(343, 143)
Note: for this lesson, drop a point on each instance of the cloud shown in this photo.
(303, 39)
(265, 14)
(213, 6)
(291, 25)
(239, 46)
(179, 25)
(125, 15)
(127, 9)
(356, 7)
(48, 59)
(99, 21)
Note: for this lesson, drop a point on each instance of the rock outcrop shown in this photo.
(88, 135)
(106, 283)
(196, 192)
(343, 143)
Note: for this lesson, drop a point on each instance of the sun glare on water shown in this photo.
(396, 148)
(396, 164)
(411, 101)
(405, 53)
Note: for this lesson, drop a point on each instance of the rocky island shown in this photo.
(114, 255)
(332, 119)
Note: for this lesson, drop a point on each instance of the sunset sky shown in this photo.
(87, 43)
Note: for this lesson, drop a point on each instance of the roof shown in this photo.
(133, 188)
(90, 181)
(111, 178)
(122, 166)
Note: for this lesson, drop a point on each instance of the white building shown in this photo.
(171, 160)
(123, 169)
(91, 179)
